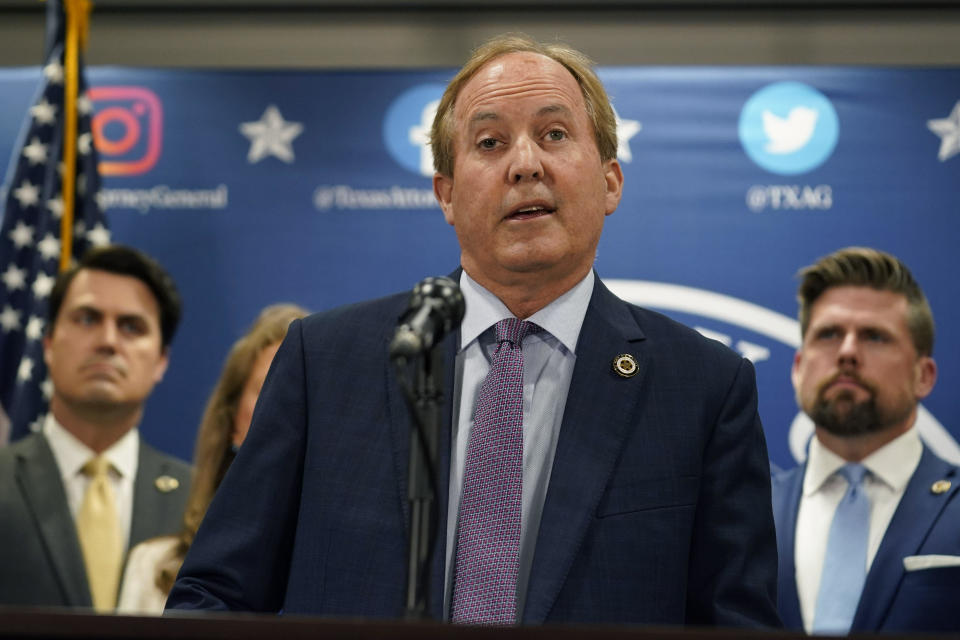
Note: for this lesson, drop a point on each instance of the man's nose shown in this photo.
(849, 352)
(525, 161)
(108, 337)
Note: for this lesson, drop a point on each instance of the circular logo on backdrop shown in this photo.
(406, 127)
(788, 128)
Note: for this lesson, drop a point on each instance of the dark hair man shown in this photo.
(599, 464)
(869, 527)
(75, 496)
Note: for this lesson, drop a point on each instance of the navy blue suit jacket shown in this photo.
(926, 522)
(658, 509)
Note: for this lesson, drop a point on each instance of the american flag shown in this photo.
(30, 237)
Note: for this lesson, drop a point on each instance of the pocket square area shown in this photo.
(916, 563)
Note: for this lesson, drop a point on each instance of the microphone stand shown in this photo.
(425, 400)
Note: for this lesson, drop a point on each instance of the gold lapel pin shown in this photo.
(166, 484)
(940, 486)
(625, 365)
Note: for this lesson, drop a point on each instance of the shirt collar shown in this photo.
(71, 454)
(562, 318)
(893, 463)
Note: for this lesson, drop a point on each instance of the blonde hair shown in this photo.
(580, 67)
(213, 451)
(866, 267)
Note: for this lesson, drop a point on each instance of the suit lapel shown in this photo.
(916, 514)
(38, 477)
(152, 509)
(597, 416)
(785, 516)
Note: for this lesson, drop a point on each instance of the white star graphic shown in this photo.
(99, 236)
(49, 247)
(80, 228)
(271, 136)
(14, 278)
(43, 285)
(84, 142)
(27, 194)
(44, 112)
(626, 129)
(101, 199)
(949, 131)
(21, 235)
(46, 388)
(55, 206)
(84, 104)
(54, 72)
(34, 330)
(26, 370)
(35, 152)
(9, 319)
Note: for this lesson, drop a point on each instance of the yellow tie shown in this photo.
(99, 531)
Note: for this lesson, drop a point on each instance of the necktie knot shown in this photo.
(854, 473)
(513, 330)
(97, 467)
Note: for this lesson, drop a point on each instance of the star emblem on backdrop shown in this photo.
(949, 131)
(271, 135)
(626, 129)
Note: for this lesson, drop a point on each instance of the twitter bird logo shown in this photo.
(788, 128)
(786, 135)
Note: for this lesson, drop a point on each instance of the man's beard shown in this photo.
(842, 416)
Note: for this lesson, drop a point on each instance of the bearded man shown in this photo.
(868, 528)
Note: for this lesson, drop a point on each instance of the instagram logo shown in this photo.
(127, 126)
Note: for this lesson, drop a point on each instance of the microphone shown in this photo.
(436, 307)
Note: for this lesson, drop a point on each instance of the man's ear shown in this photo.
(162, 364)
(795, 369)
(47, 339)
(613, 175)
(443, 190)
(925, 377)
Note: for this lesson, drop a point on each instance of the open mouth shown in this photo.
(528, 212)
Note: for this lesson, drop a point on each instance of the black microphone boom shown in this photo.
(436, 308)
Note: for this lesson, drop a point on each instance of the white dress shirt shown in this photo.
(71, 455)
(890, 468)
(548, 360)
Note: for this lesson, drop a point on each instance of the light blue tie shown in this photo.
(845, 563)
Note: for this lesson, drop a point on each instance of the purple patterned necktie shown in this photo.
(488, 544)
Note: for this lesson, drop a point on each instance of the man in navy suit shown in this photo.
(864, 365)
(645, 482)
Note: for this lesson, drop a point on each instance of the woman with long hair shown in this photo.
(152, 565)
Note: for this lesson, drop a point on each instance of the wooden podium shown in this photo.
(38, 623)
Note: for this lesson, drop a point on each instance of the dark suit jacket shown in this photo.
(893, 600)
(656, 511)
(41, 563)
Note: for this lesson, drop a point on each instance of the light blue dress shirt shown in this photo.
(548, 360)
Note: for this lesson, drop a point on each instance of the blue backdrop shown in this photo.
(264, 186)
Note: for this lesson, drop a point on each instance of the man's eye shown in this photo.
(487, 143)
(131, 326)
(86, 318)
(827, 334)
